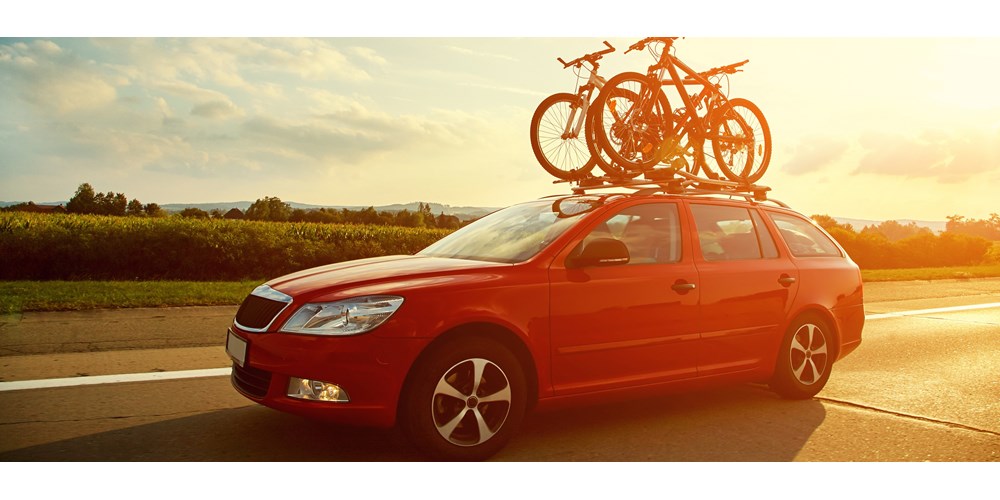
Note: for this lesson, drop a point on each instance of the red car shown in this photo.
(558, 301)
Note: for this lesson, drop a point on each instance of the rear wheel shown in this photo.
(805, 359)
(559, 151)
(466, 400)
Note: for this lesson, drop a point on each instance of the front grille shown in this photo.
(251, 380)
(257, 312)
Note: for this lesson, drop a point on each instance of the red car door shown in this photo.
(746, 287)
(627, 324)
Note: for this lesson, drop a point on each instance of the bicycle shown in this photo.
(559, 120)
(641, 134)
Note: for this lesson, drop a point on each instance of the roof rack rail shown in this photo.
(676, 182)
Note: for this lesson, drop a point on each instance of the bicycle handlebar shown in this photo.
(641, 44)
(592, 58)
(729, 68)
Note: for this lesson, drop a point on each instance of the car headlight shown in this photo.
(343, 317)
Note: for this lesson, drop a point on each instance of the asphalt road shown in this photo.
(919, 388)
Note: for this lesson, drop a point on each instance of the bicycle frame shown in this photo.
(709, 95)
(585, 92)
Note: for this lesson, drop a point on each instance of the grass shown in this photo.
(931, 273)
(25, 296)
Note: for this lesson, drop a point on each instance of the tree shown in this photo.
(84, 201)
(269, 208)
(134, 208)
(154, 210)
(828, 223)
(117, 204)
(985, 228)
(194, 213)
(298, 215)
(447, 221)
(894, 231)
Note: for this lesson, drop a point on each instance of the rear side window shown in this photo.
(803, 238)
(731, 233)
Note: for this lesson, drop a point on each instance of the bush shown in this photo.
(74, 247)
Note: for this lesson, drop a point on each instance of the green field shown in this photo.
(25, 296)
(931, 273)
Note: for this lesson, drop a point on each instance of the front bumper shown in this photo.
(370, 368)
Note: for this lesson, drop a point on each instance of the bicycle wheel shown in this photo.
(560, 153)
(741, 141)
(631, 120)
(601, 158)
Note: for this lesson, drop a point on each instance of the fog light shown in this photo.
(315, 390)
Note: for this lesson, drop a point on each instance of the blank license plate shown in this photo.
(236, 348)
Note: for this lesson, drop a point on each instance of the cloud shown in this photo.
(945, 157)
(470, 52)
(814, 153)
(54, 80)
(216, 109)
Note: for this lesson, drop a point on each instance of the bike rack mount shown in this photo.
(676, 182)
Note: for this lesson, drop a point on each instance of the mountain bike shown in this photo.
(640, 134)
(558, 129)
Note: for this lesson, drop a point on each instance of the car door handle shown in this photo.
(683, 287)
(786, 280)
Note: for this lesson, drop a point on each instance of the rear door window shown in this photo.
(803, 238)
(731, 233)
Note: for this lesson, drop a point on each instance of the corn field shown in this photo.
(77, 247)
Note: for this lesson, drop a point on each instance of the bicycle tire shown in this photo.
(741, 141)
(630, 124)
(567, 158)
(601, 158)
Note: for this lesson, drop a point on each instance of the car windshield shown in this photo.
(514, 234)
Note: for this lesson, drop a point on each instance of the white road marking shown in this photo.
(219, 372)
(919, 312)
(111, 379)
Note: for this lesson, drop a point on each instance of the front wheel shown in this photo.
(804, 359)
(559, 150)
(465, 401)
(741, 140)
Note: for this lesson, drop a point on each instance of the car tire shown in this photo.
(465, 400)
(805, 359)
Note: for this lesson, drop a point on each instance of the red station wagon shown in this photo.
(563, 300)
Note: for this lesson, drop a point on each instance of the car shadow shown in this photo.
(742, 423)
(729, 424)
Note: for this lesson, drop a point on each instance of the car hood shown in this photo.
(403, 269)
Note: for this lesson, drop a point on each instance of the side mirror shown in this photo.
(600, 252)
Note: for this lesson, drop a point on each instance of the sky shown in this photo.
(864, 126)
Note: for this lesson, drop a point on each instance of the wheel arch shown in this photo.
(492, 331)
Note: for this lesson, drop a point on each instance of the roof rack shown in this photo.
(676, 182)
